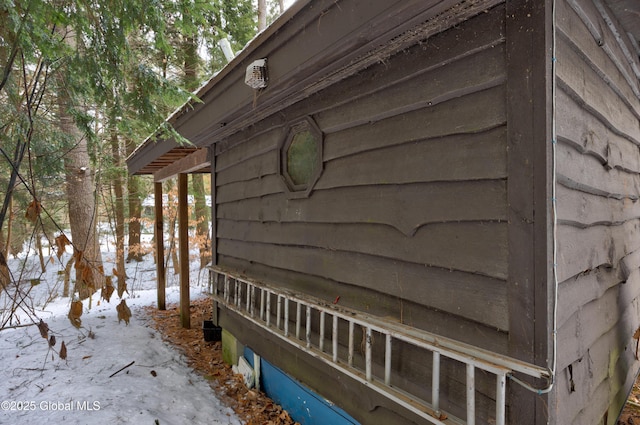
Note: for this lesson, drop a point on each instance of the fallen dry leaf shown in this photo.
(61, 243)
(124, 313)
(74, 313)
(33, 211)
(107, 289)
(44, 329)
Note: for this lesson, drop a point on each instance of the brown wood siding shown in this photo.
(408, 220)
(598, 174)
(414, 187)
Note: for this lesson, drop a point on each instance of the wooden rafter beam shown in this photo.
(190, 163)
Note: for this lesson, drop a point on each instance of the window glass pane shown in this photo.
(302, 158)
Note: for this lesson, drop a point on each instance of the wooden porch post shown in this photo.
(159, 237)
(183, 242)
(214, 232)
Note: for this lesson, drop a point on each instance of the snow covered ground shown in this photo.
(38, 387)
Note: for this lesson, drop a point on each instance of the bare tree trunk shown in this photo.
(281, 6)
(134, 192)
(172, 215)
(82, 218)
(80, 191)
(262, 15)
(202, 219)
(67, 277)
(7, 246)
(43, 267)
(119, 207)
(172, 244)
(135, 216)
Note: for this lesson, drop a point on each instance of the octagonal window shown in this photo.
(301, 156)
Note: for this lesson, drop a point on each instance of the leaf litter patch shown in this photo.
(252, 406)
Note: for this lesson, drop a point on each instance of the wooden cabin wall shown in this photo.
(598, 186)
(411, 205)
(408, 220)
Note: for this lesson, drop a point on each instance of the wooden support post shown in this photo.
(183, 243)
(159, 239)
(214, 239)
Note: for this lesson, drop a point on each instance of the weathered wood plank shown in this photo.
(252, 168)
(591, 382)
(615, 313)
(587, 88)
(474, 113)
(574, 23)
(582, 250)
(629, 264)
(236, 191)
(248, 145)
(474, 247)
(581, 209)
(587, 174)
(590, 136)
(404, 207)
(458, 78)
(582, 289)
(385, 288)
(453, 158)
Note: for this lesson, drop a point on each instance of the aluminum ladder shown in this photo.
(290, 319)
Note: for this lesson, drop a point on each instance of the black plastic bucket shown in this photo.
(211, 332)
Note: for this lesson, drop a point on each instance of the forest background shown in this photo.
(82, 83)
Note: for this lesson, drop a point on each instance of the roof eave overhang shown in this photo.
(314, 44)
